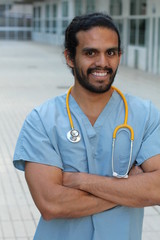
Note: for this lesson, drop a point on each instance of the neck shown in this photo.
(92, 104)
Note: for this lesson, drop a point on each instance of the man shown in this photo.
(72, 174)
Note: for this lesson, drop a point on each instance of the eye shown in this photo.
(90, 53)
(111, 52)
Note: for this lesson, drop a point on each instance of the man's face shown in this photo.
(97, 59)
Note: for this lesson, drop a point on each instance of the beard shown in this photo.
(84, 79)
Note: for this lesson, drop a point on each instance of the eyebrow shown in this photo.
(89, 49)
(95, 49)
(116, 49)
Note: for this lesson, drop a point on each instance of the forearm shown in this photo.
(72, 203)
(136, 191)
(54, 200)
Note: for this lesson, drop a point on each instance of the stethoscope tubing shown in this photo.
(74, 136)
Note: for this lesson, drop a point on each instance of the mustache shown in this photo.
(109, 70)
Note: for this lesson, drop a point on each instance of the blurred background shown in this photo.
(33, 69)
(45, 21)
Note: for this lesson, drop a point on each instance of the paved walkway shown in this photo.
(29, 74)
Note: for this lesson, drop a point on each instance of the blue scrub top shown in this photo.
(43, 139)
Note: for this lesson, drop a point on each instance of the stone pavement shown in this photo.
(30, 73)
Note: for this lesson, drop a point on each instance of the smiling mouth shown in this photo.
(100, 74)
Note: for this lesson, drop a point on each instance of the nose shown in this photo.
(102, 61)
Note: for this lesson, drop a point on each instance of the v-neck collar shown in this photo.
(112, 103)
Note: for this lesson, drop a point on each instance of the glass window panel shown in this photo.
(37, 19)
(132, 32)
(54, 20)
(64, 25)
(142, 7)
(28, 35)
(2, 34)
(47, 21)
(133, 7)
(12, 22)
(47, 25)
(90, 8)
(47, 11)
(142, 30)
(34, 25)
(34, 12)
(28, 22)
(138, 7)
(138, 32)
(65, 9)
(39, 12)
(2, 9)
(78, 7)
(115, 7)
(38, 26)
(20, 35)
(2, 21)
(20, 22)
(54, 26)
(54, 10)
(12, 35)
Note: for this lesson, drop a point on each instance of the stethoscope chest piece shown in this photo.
(73, 136)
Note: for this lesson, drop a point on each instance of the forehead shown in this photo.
(97, 37)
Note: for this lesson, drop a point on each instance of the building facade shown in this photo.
(137, 20)
(15, 20)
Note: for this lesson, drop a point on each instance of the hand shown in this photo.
(135, 170)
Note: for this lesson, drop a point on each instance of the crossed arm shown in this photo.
(74, 195)
(57, 201)
(137, 191)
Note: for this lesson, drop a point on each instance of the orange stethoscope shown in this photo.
(74, 136)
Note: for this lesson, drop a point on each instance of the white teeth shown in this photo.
(100, 74)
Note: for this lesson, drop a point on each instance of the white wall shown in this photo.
(137, 57)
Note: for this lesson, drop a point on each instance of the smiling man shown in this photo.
(82, 189)
(90, 68)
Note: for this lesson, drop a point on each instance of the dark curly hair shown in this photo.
(84, 23)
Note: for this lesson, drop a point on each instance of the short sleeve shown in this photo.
(34, 144)
(151, 141)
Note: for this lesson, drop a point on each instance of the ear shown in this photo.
(69, 61)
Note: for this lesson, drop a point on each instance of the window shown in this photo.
(142, 30)
(138, 32)
(2, 34)
(133, 32)
(47, 20)
(78, 7)
(28, 21)
(2, 9)
(64, 16)
(2, 21)
(2, 16)
(90, 7)
(65, 9)
(115, 7)
(54, 18)
(138, 7)
(37, 19)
